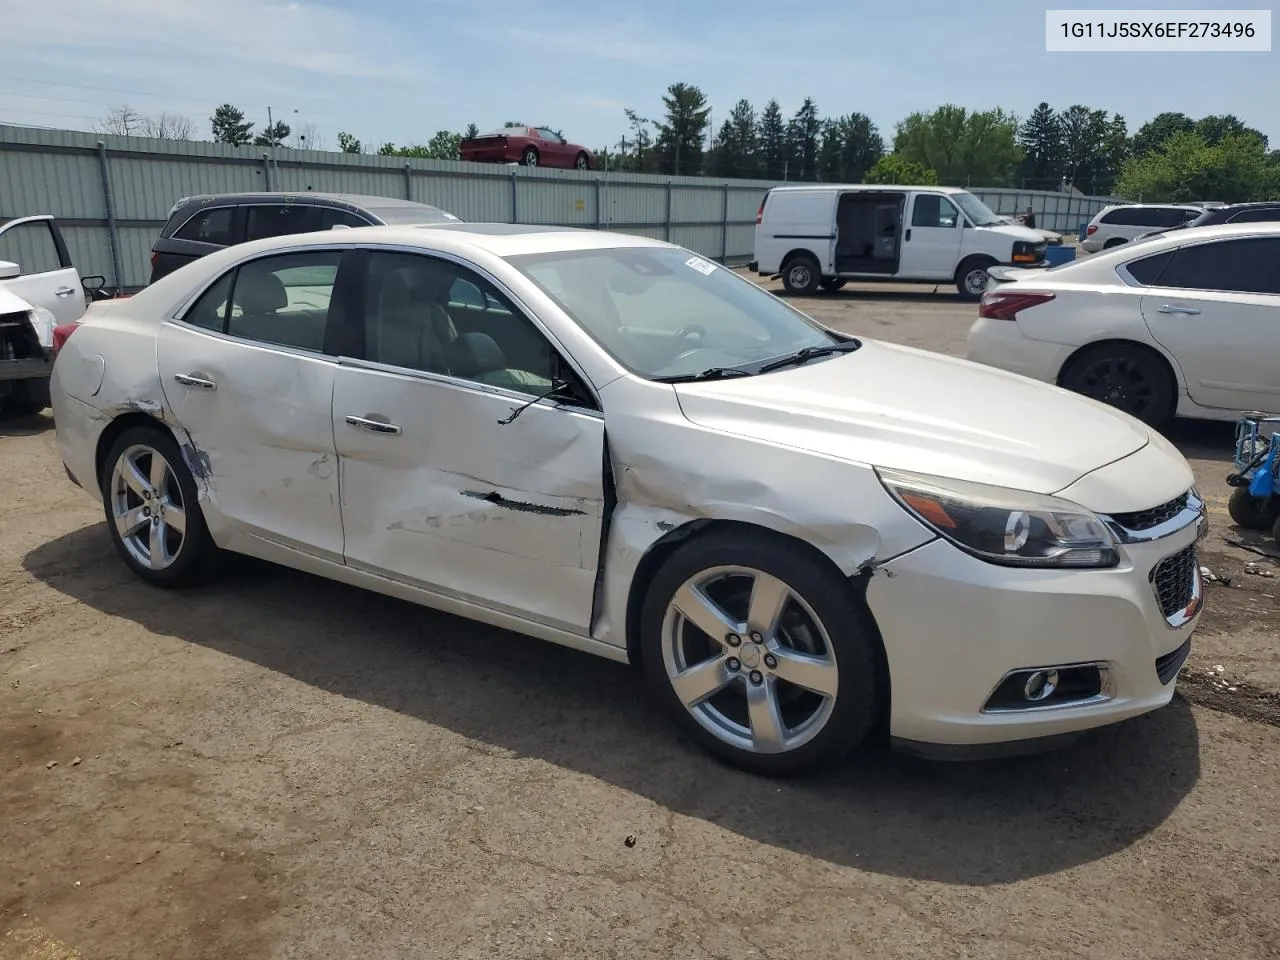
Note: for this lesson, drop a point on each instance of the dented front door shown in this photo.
(438, 494)
(256, 425)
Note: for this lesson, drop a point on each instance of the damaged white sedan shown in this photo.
(612, 443)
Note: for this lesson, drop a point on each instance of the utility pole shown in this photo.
(271, 136)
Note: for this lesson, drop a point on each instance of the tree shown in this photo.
(388, 149)
(978, 148)
(736, 150)
(860, 147)
(1152, 134)
(641, 140)
(472, 132)
(167, 126)
(1214, 127)
(1187, 167)
(803, 134)
(273, 136)
(829, 149)
(307, 136)
(1083, 132)
(683, 132)
(122, 121)
(230, 126)
(1040, 137)
(444, 145)
(773, 142)
(347, 143)
(897, 170)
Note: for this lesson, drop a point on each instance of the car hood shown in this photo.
(909, 409)
(1015, 231)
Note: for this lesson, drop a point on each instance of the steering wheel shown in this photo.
(690, 330)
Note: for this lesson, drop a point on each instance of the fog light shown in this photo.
(1040, 685)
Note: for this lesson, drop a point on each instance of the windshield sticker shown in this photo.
(704, 267)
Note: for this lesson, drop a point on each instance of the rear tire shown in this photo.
(530, 157)
(832, 284)
(580, 162)
(1253, 513)
(737, 698)
(1125, 376)
(801, 275)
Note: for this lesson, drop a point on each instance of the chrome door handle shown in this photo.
(187, 380)
(63, 292)
(374, 426)
(1178, 308)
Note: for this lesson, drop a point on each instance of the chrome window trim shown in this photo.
(1128, 279)
(187, 302)
(1106, 689)
(283, 348)
(1193, 512)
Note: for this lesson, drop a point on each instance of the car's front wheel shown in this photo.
(761, 652)
(153, 510)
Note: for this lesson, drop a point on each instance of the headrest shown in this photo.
(259, 292)
(393, 294)
(474, 353)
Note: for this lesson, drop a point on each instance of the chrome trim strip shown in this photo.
(1192, 513)
(1106, 689)
(1180, 618)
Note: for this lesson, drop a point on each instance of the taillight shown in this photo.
(155, 257)
(1006, 306)
(61, 334)
(760, 212)
(1091, 230)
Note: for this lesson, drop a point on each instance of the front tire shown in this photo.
(580, 161)
(153, 511)
(832, 284)
(1125, 376)
(1253, 513)
(761, 652)
(971, 278)
(801, 275)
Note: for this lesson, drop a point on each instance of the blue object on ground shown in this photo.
(1062, 253)
(1264, 478)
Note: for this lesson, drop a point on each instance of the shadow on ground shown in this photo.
(28, 426)
(870, 293)
(1204, 440)
(979, 823)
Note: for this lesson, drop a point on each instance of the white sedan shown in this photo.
(1183, 324)
(618, 445)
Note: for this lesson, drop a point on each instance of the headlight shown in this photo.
(1009, 527)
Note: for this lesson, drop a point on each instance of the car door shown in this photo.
(46, 277)
(931, 242)
(455, 478)
(247, 376)
(553, 149)
(1216, 308)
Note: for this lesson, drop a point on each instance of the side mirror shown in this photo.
(9, 270)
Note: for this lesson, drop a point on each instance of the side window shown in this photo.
(1268, 215)
(1147, 270)
(1122, 217)
(278, 220)
(428, 314)
(210, 311)
(216, 225)
(284, 299)
(330, 217)
(31, 247)
(548, 135)
(1249, 265)
(931, 210)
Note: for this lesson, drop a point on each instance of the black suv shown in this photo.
(1261, 211)
(198, 226)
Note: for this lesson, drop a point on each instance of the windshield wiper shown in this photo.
(713, 373)
(809, 353)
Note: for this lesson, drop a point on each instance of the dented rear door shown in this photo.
(436, 493)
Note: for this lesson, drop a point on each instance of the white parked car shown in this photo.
(1181, 324)
(615, 444)
(821, 236)
(1120, 223)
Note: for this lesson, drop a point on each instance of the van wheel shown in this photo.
(801, 275)
(971, 277)
(831, 284)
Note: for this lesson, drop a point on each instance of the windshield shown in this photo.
(423, 214)
(976, 210)
(665, 312)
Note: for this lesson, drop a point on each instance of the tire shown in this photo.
(580, 162)
(832, 284)
(844, 655)
(801, 275)
(1275, 531)
(1113, 242)
(189, 555)
(1253, 513)
(1125, 376)
(971, 277)
(530, 157)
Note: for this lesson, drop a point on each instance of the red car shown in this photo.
(530, 146)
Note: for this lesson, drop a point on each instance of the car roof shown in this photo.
(356, 199)
(1125, 206)
(868, 187)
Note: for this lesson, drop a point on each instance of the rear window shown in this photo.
(1264, 215)
(1147, 270)
(215, 225)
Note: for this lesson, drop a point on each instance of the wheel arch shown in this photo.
(113, 431)
(1166, 362)
(795, 253)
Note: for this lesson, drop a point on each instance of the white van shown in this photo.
(818, 237)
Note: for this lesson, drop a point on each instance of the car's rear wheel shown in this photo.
(761, 652)
(153, 510)
(1253, 513)
(801, 275)
(530, 157)
(1126, 376)
(580, 161)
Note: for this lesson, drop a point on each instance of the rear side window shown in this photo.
(1250, 265)
(216, 225)
(330, 217)
(1147, 270)
(1124, 217)
(1257, 216)
(278, 220)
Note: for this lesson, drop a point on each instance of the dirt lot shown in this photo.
(276, 766)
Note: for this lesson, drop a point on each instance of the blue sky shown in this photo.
(399, 70)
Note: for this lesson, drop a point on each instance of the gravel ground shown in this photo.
(277, 766)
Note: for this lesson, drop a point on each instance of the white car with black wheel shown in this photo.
(1182, 324)
(615, 444)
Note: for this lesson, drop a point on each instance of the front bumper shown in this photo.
(1000, 343)
(955, 626)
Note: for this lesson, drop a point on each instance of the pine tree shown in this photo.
(773, 146)
(230, 126)
(1041, 137)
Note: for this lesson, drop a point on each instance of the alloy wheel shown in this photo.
(147, 507)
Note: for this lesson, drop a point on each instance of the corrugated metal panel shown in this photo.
(703, 240)
(552, 202)
(634, 203)
(476, 199)
(703, 205)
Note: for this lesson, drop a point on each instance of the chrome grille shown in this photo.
(1174, 581)
(1146, 519)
